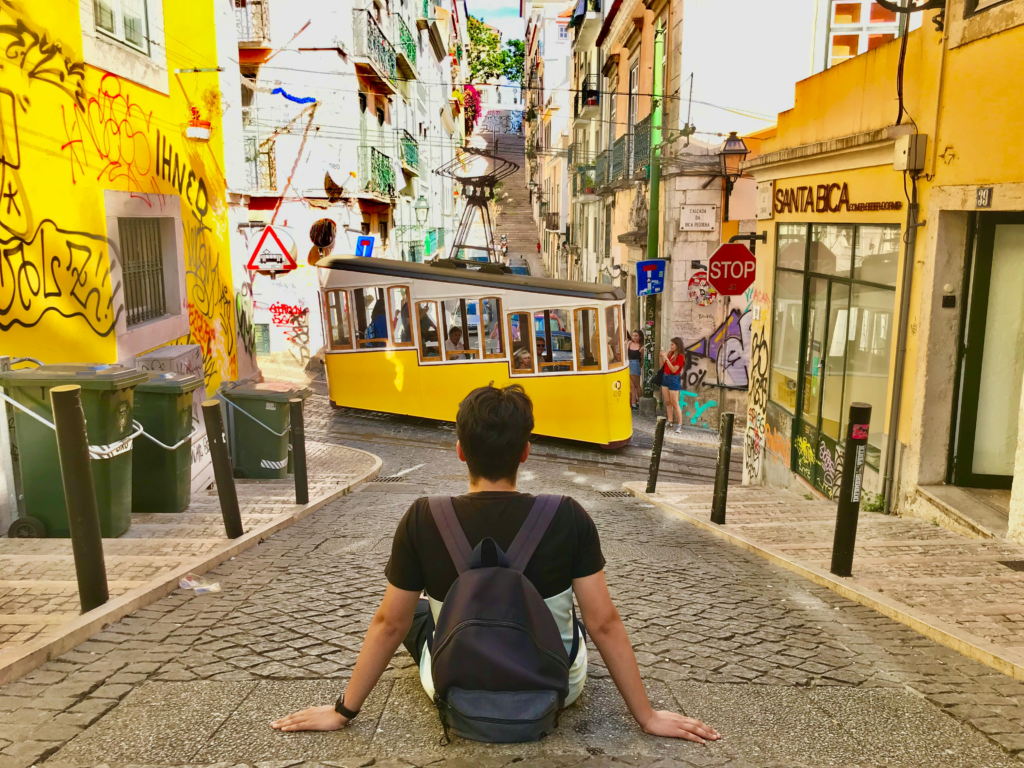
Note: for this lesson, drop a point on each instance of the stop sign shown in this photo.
(731, 269)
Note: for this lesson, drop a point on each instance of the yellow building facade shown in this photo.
(113, 222)
(893, 275)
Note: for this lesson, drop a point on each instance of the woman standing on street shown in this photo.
(635, 353)
(671, 381)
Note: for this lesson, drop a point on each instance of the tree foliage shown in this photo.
(487, 60)
(514, 57)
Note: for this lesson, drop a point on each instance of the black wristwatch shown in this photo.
(341, 709)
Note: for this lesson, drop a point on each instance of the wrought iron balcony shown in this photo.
(406, 49)
(588, 98)
(551, 221)
(583, 180)
(410, 152)
(374, 55)
(252, 22)
(620, 158)
(260, 165)
(376, 174)
(602, 168)
(641, 146)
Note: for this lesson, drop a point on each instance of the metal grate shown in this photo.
(251, 21)
(641, 145)
(616, 494)
(392, 479)
(143, 269)
(260, 164)
(1013, 565)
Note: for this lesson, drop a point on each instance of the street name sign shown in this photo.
(732, 269)
(650, 277)
(271, 254)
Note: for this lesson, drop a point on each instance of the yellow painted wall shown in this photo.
(70, 131)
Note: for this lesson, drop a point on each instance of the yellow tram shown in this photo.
(414, 339)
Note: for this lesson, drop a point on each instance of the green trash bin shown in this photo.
(260, 450)
(107, 399)
(162, 479)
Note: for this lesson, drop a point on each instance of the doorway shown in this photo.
(991, 367)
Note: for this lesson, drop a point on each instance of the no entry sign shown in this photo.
(731, 269)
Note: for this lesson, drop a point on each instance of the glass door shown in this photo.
(992, 367)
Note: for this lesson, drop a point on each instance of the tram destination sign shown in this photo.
(650, 277)
(732, 269)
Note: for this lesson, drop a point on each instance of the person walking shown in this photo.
(672, 365)
(635, 354)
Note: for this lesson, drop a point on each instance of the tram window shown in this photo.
(588, 341)
(338, 320)
(554, 340)
(430, 346)
(613, 327)
(461, 329)
(401, 325)
(522, 343)
(371, 317)
(494, 345)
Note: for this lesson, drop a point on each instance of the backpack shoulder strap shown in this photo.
(447, 522)
(532, 531)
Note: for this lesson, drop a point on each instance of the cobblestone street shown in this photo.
(789, 673)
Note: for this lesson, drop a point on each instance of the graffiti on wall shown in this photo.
(700, 290)
(778, 435)
(502, 121)
(757, 405)
(694, 408)
(245, 317)
(830, 459)
(726, 351)
(294, 318)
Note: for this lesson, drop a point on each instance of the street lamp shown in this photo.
(422, 208)
(733, 152)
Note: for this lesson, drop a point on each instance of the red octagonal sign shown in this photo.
(731, 269)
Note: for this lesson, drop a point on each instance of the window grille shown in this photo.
(142, 269)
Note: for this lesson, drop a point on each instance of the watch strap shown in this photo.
(341, 709)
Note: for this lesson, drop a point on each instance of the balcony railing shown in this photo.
(551, 221)
(251, 21)
(406, 44)
(588, 98)
(641, 145)
(260, 165)
(410, 151)
(371, 44)
(602, 168)
(376, 173)
(583, 180)
(620, 157)
(427, 12)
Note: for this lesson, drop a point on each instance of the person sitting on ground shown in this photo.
(454, 344)
(493, 426)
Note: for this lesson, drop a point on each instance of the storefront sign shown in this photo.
(826, 198)
(698, 218)
(765, 194)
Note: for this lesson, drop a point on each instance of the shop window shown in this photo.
(588, 341)
(831, 250)
(430, 344)
(554, 340)
(878, 251)
(786, 323)
(613, 327)
(338, 320)
(401, 325)
(523, 356)
(461, 330)
(371, 315)
(490, 315)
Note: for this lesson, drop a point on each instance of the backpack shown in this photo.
(500, 670)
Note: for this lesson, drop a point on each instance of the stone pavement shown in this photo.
(972, 589)
(38, 586)
(791, 674)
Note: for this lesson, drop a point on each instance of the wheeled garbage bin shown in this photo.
(259, 437)
(107, 399)
(162, 478)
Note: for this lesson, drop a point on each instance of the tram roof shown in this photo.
(511, 282)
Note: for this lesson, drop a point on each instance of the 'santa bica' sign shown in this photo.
(826, 198)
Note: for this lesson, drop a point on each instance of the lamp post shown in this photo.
(733, 152)
(422, 208)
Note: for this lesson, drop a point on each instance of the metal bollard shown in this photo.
(721, 496)
(222, 473)
(80, 495)
(298, 437)
(659, 439)
(858, 423)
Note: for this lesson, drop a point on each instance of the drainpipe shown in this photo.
(901, 349)
(648, 404)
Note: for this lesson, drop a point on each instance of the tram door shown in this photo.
(991, 363)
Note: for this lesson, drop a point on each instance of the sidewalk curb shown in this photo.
(33, 655)
(968, 645)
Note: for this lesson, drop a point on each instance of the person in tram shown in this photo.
(428, 333)
(378, 324)
(405, 331)
(454, 344)
(522, 359)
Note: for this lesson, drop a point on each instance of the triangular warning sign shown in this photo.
(270, 254)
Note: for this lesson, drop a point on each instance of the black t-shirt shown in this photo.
(569, 550)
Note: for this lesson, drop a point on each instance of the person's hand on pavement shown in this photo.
(674, 725)
(311, 719)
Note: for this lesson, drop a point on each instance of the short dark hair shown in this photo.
(494, 426)
(456, 329)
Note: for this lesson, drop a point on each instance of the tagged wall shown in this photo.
(71, 134)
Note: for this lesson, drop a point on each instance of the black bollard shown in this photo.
(722, 471)
(858, 423)
(80, 495)
(222, 472)
(659, 439)
(298, 437)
